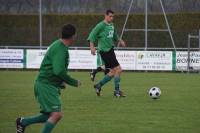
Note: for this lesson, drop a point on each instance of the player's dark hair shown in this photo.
(68, 31)
(109, 11)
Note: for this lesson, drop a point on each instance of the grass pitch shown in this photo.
(177, 111)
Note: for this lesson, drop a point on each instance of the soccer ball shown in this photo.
(154, 92)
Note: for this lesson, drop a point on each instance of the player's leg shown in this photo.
(49, 99)
(22, 123)
(118, 92)
(107, 57)
(106, 71)
(51, 122)
(94, 72)
(100, 66)
(116, 69)
(19, 127)
(102, 82)
(107, 78)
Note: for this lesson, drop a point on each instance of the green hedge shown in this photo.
(23, 29)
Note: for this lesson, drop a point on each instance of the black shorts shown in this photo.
(109, 59)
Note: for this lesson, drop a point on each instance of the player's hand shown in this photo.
(122, 43)
(78, 83)
(93, 50)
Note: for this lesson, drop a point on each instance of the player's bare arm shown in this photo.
(92, 48)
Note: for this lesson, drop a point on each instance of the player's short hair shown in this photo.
(68, 31)
(109, 11)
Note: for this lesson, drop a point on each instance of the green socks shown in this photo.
(35, 119)
(48, 127)
(117, 83)
(105, 80)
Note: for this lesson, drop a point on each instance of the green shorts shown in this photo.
(48, 97)
(100, 62)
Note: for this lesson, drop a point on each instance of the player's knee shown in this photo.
(119, 71)
(60, 115)
(57, 115)
(111, 73)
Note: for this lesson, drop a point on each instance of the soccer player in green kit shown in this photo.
(49, 82)
(105, 34)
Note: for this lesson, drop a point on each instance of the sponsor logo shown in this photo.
(54, 107)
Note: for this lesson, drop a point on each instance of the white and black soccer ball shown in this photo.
(154, 92)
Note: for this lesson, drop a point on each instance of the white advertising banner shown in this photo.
(81, 59)
(11, 58)
(127, 59)
(34, 58)
(154, 60)
(182, 60)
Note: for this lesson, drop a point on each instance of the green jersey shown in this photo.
(53, 69)
(105, 35)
